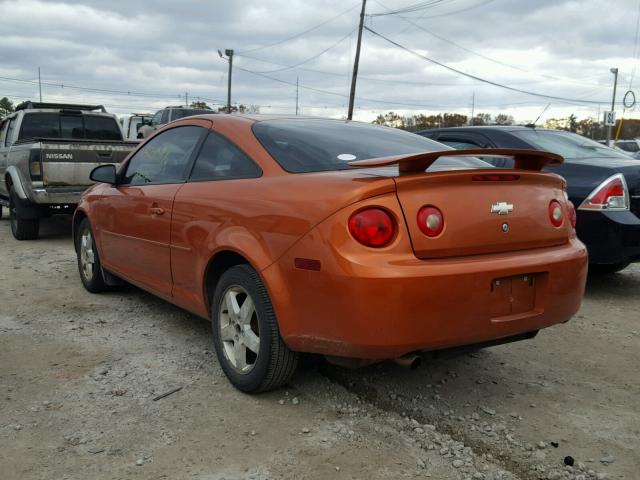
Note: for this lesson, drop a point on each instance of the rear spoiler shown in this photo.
(419, 162)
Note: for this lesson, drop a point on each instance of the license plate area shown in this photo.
(513, 295)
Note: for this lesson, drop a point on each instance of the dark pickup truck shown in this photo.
(46, 154)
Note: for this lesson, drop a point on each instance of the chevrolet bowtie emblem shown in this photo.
(502, 208)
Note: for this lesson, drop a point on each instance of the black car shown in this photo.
(603, 184)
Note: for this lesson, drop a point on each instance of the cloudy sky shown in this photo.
(143, 55)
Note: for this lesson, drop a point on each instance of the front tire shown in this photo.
(21, 228)
(246, 334)
(89, 265)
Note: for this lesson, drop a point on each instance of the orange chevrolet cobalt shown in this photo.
(357, 242)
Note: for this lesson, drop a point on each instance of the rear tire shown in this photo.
(21, 228)
(246, 335)
(89, 265)
(607, 269)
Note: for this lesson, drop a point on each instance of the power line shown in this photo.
(310, 58)
(478, 54)
(412, 8)
(297, 35)
(127, 93)
(472, 7)
(381, 80)
(480, 79)
(389, 102)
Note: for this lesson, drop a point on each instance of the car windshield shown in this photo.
(309, 145)
(187, 112)
(569, 145)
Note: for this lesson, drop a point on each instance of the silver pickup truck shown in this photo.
(46, 154)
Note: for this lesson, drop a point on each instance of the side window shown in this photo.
(164, 158)
(156, 118)
(220, 159)
(165, 116)
(10, 129)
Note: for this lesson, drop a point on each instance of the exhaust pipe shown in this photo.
(410, 361)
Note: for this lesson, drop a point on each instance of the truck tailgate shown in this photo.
(70, 163)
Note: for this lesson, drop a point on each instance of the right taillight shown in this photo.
(572, 213)
(612, 194)
(35, 166)
(372, 227)
(430, 221)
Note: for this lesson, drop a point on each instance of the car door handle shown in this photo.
(156, 211)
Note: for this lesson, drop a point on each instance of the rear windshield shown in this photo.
(628, 146)
(187, 112)
(302, 146)
(569, 145)
(69, 126)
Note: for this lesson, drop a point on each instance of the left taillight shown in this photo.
(555, 213)
(612, 194)
(35, 165)
(372, 227)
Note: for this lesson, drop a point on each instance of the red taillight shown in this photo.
(555, 213)
(572, 213)
(430, 221)
(612, 194)
(373, 227)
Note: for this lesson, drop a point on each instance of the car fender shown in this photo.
(16, 182)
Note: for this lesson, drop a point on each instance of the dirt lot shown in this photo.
(79, 374)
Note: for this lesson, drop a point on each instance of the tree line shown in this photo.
(440, 120)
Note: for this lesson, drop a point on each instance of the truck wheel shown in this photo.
(246, 334)
(89, 264)
(22, 228)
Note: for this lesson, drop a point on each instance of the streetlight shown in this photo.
(229, 53)
(613, 102)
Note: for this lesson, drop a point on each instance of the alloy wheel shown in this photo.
(239, 330)
(87, 256)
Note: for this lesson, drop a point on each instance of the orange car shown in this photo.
(354, 241)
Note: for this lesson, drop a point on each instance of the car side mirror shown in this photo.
(104, 174)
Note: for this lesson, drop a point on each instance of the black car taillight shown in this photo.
(35, 165)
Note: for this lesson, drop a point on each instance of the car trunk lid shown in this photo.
(483, 216)
(484, 211)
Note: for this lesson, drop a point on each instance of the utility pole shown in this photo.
(613, 101)
(40, 84)
(297, 78)
(186, 99)
(229, 53)
(473, 107)
(352, 94)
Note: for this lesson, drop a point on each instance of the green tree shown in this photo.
(502, 119)
(6, 107)
(482, 119)
(199, 105)
(234, 108)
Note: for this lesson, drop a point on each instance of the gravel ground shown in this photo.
(80, 375)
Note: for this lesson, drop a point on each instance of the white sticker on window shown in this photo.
(346, 157)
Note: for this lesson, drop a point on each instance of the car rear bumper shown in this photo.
(57, 195)
(408, 305)
(610, 237)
